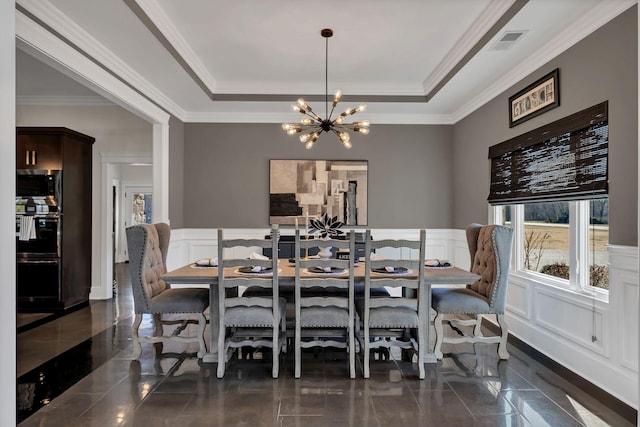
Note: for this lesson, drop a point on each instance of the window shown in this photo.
(598, 239)
(546, 238)
(552, 238)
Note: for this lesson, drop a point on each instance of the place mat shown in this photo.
(320, 270)
(203, 266)
(439, 267)
(437, 263)
(397, 270)
(207, 262)
(249, 270)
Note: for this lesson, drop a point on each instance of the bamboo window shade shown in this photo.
(564, 160)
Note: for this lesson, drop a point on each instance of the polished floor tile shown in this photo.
(77, 371)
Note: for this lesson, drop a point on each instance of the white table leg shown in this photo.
(212, 355)
(429, 356)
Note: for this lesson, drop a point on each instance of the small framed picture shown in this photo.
(537, 98)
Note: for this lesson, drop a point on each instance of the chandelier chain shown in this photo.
(326, 79)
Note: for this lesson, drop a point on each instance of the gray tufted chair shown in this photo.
(148, 245)
(490, 251)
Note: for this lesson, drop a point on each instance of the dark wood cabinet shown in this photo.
(70, 152)
(38, 151)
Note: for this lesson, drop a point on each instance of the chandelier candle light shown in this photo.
(312, 125)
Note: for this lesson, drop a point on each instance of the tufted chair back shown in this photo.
(490, 251)
(147, 245)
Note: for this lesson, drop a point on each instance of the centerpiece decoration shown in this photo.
(326, 228)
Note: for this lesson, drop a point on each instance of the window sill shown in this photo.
(539, 279)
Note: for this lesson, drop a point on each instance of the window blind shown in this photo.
(565, 160)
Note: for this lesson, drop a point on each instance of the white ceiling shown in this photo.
(214, 60)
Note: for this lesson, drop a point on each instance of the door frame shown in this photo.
(125, 215)
(102, 288)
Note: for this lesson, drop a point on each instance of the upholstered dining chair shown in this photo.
(256, 321)
(324, 299)
(148, 246)
(394, 321)
(490, 251)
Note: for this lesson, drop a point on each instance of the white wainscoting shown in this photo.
(560, 323)
(555, 321)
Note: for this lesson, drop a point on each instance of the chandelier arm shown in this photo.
(313, 115)
(331, 113)
(345, 126)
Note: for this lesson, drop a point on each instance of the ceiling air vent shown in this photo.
(507, 40)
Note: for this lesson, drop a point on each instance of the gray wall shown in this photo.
(226, 172)
(176, 172)
(601, 67)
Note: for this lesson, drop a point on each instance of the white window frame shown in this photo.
(578, 251)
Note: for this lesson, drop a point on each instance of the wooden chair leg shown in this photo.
(202, 323)
(298, 352)
(477, 329)
(222, 349)
(367, 349)
(157, 325)
(137, 348)
(502, 347)
(422, 347)
(352, 353)
(283, 329)
(275, 350)
(437, 323)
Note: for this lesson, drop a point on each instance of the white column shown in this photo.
(7, 211)
(161, 172)
(638, 302)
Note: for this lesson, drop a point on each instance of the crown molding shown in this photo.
(591, 21)
(126, 158)
(164, 25)
(83, 42)
(34, 39)
(348, 89)
(492, 14)
(264, 117)
(71, 101)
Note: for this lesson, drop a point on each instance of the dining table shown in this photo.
(192, 274)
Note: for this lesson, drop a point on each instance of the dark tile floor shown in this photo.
(77, 371)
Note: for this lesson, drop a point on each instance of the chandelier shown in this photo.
(312, 125)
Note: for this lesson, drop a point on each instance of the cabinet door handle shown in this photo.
(31, 158)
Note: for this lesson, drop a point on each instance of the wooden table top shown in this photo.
(209, 275)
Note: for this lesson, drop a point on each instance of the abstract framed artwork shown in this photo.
(537, 98)
(303, 189)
